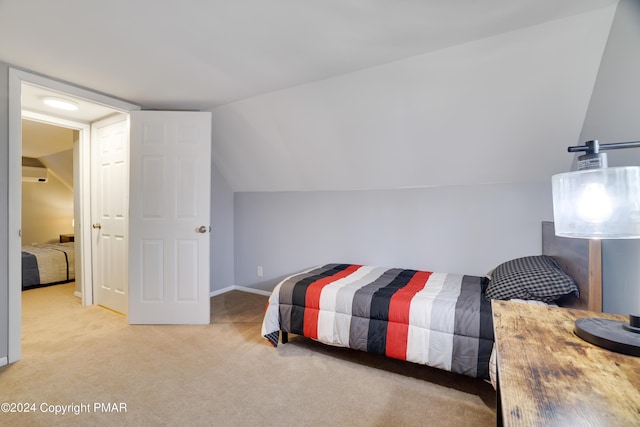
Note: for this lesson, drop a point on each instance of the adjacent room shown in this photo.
(47, 205)
(329, 213)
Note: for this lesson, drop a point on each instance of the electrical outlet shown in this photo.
(259, 271)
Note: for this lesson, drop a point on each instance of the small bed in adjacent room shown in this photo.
(441, 320)
(47, 264)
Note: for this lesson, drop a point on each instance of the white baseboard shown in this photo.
(77, 294)
(3, 361)
(239, 288)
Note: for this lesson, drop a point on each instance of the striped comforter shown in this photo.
(436, 319)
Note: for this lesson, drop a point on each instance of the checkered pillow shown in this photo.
(530, 278)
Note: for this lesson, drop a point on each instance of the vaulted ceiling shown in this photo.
(338, 94)
(198, 54)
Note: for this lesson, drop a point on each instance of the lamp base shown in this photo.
(609, 334)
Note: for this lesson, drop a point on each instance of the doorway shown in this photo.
(60, 137)
(19, 80)
(169, 211)
(48, 217)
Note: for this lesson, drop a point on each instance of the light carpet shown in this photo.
(89, 362)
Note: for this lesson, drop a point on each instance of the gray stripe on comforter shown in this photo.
(361, 309)
(467, 327)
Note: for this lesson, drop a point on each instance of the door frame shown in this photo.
(16, 79)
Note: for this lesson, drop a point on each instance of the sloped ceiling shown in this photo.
(501, 109)
(52, 145)
(198, 54)
(41, 139)
(338, 94)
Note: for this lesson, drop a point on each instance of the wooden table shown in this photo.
(548, 376)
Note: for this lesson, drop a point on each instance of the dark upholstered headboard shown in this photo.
(582, 260)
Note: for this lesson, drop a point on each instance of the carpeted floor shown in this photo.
(88, 360)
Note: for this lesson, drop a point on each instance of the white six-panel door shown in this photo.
(110, 207)
(169, 220)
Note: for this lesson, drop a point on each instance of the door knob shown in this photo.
(202, 229)
(97, 225)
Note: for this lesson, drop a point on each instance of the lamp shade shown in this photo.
(601, 203)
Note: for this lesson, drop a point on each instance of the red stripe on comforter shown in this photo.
(312, 300)
(398, 327)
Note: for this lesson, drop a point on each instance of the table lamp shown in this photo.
(598, 202)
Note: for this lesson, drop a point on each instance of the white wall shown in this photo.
(614, 116)
(222, 258)
(463, 229)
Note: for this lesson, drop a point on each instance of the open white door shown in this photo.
(170, 155)
(109, 212)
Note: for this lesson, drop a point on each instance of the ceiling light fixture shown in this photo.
(60, 103)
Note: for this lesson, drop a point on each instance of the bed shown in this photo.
(441, 320)
(47, 264)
